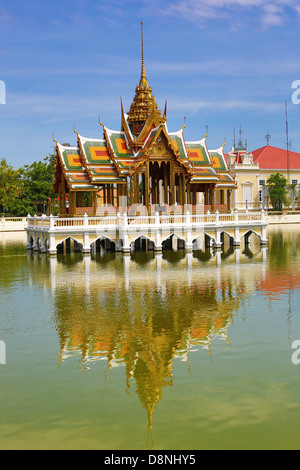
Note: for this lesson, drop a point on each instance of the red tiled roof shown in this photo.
(273, 158)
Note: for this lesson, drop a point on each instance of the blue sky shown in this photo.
(219, 63)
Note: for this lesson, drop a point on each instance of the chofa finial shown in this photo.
(101, 123)
(54, 140)
(75, 132)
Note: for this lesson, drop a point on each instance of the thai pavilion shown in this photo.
(143, 161)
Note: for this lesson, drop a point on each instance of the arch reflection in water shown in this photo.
(145, 311)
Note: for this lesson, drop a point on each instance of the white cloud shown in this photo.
(273, 15)
(225, 105)
(49, 106)
(270, 13)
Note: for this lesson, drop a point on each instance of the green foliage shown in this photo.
(10, 185)
(23, 191)
(277, 185)
(20, 206)
(38, 180)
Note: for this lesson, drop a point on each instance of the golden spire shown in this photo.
(143, 72)
(142, 102)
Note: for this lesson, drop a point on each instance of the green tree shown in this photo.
(38, 180)
(277, 185)
(36, 187)
(20, 206)
(10, 184)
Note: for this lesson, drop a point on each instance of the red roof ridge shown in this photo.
(270, 157)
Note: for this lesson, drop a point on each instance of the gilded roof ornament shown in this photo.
(75, 132)
(143, 99)
(54, 140)
(101, 123)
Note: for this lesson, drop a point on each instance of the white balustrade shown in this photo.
(86, 222)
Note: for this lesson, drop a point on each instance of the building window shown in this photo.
(247, 192)
(295, 182)
(262, 182)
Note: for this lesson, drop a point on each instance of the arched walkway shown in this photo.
(142, 243)
(69, 245)
(227, 240)
(250, 234)
(103, 243)
(173, 242)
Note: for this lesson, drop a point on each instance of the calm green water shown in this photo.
(147, 351)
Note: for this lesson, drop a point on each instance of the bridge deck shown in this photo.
(46, 233)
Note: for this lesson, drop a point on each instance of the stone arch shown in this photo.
(250, 244)
(45, 245)
(143, 243)
(210, 241)
(173, 242)
(226, 237)
(199, 242)
(246, 236)
(69, 244)
(30, 241)
(104, 242)
(37, 243)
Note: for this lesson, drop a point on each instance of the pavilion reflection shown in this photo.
(112, 309)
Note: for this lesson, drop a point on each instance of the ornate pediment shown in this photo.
(160, 149)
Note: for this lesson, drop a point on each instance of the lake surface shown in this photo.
(162, 352)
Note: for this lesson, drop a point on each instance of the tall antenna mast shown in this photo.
(287, 143)
(240, 144)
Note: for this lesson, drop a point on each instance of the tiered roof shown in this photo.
(143, 131)
(220, 166)
(199, 158)
(110, 160)
(71, 166)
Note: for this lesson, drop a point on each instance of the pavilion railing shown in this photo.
(115, 221)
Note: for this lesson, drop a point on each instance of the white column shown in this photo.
(86, 243)
(218, 238)
(158, 245)
(188, 229)
(52, 245)
(36, 242)
(43, 244)
(124, 234)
